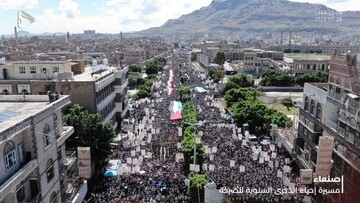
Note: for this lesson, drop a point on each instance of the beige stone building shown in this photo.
(100, 88)
(32, 147)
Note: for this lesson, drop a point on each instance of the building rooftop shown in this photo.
(15, 109)
(321, 86)
(93, 73)
(308, 56)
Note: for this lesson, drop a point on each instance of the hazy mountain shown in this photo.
(23, 33)
(256, 16)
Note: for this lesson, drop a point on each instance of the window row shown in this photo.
(33, 69)
(310, 107)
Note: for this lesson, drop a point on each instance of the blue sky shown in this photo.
(111, 16)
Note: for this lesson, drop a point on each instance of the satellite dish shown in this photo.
(24, 19)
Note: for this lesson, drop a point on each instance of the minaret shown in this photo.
(290, 37)
(121, 36)
(15, 30)
(281, 39)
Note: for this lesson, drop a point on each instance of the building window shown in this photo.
(5, 92)
(53, 198)
(318, 111)
(32, 69)
(59, 153)
(10, 155)
(44, 70)
(24, 91)
(56, 69)
(312, 107)
(20, 192)
(22, 70)
(306, 104)
(351, 136)
(50, 170)
(47, 138)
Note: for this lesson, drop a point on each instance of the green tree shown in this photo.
(134, 69)
(220, 58)
(242, 80)
(272, 77)
(287, 50)
(288, 103)
(197, 184)
(311, 77)
(248, 109)
(89, 132)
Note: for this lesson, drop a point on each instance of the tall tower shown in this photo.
(290, 37)
(15, 30)
(281, 39)
(68, 36)
(121, 36)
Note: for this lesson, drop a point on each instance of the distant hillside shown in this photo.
(256, 16)
(23, 33)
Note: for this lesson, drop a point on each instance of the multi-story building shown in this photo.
(255, 65)
(304, 66)
(32, 147)
(97, 88)
(332, 109)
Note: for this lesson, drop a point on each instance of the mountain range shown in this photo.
(258, 16)
(23, 33)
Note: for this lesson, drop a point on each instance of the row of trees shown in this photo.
(279, 78)
(183, 77)
(239, 80)
(89, 131)
(152, 69)
(154, 66)
(299, 51)
(189, 117)
(248, 109)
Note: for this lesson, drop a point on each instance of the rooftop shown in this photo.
(308, 56)
(88, 75)
(14, 109)
(321, 86)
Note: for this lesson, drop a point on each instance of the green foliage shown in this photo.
(151, 77)
(187, 147)
(248, 109)
(277, 78)
(242, 80)
(154, 66)
(197, 184)
(89, 132)
(312, 77)
(189, 114)
(288, 103)
(220, 58)
(234, 95)
(287, 50)
(134, 69)
(215, 75)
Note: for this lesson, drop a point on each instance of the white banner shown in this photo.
(84, 161)
(324, 156)
(242, 168)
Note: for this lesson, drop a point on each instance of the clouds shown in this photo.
(69, 8)
(18, 4)
(113, 16)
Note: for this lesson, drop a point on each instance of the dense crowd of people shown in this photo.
(153, 175)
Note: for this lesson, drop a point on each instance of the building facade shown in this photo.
(32, 147)
(336, 115)
(98, 88)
